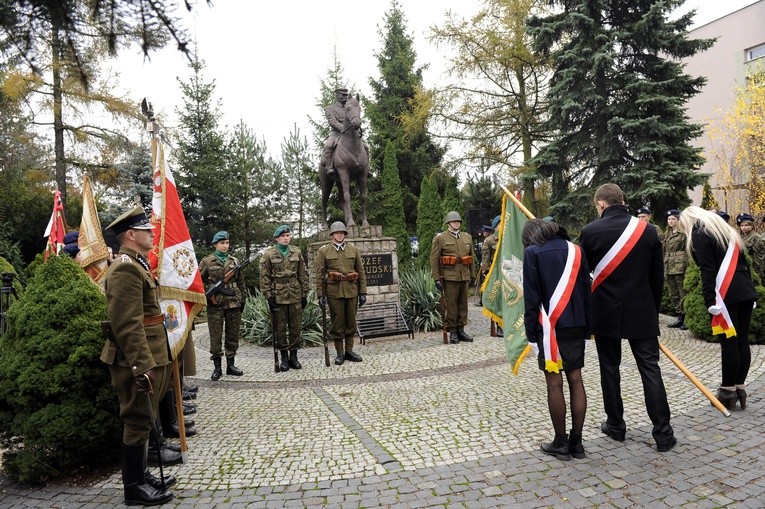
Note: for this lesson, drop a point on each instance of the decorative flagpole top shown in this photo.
(152, 125)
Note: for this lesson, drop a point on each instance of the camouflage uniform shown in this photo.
(675, 264)
(487, 252)
(226, 308)
(338, 263)
(284, 279)
(755, 247)
(456, 277)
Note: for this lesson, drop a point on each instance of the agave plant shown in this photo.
(256, 321)
(420, 300)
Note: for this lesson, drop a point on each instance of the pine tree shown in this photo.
(203, 186)
(392, 99)
(303, 195)
(430, 220)
(392, 205)
(616, 103)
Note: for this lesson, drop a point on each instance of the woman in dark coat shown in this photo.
(729, 294)
(556, 288)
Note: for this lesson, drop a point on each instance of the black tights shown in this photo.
(556, 402)
(735, 351)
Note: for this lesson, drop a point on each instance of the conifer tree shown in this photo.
(392, 205)
(616, 102)
(430, 220)
(303, 195)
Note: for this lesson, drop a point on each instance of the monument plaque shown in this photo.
(378, 269)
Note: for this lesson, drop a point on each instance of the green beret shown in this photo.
(221, 235)
(282, 229)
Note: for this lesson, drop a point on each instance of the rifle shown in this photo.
(219, 287)
(443, 314)
(324, 322)
(273, 341)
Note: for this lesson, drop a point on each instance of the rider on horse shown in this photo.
(335, 114)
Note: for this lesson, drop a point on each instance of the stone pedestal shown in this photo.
(380, 261)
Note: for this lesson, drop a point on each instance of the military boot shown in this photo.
(340, 349)
(156, 482)
(230, 368)
(169, 418)
(137, 490)
(454, 337)
(218, 371)
(678, 323)
(558, 448)
(464, 336)
(294, 362)
(285, 365)
(158, 451)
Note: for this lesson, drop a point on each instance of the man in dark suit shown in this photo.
(627, 264)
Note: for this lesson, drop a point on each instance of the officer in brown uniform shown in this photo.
(224, 308)
(284, 283)
(340, 270)
(451, 262)
(675, 263)
(138, 353)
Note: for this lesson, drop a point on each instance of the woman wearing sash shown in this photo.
(556, 288)
(729, 294)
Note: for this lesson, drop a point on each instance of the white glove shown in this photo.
(535, 347)
(754, 306)
(715, 310)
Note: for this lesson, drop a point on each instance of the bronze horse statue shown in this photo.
(350, 161)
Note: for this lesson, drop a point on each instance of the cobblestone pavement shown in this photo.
(423, 424)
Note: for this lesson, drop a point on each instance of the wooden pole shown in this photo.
(179, 408)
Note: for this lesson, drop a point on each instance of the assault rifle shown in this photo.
(219, 288)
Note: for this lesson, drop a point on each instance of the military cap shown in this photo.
(133, 219)
(643, 210)
(453, 216)
(487, 228)
(221, 235)
(341, 90)
(673, 212)
(744, 217)
(337, 226)
(495, 222)
(723, 215)
(282, 229)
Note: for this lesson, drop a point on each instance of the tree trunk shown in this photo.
(58, 120)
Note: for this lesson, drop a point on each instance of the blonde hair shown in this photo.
(711, 223)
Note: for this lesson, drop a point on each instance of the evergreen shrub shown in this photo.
(420, 300)
(58, 411)
(256, 321)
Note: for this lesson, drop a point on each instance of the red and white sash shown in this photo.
(558, 302)
(618, 251)
(722, 323)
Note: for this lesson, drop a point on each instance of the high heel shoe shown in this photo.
(741, 396)
(727, 397)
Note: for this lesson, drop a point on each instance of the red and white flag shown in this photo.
(93, 251)
(56, 230)
(172, 259)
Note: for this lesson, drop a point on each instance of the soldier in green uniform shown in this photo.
(451, 262)
(754, 243)
(340, 270)
(675, 263)
(225, 308)
(138, 353)
(284, 283)
(645, 214)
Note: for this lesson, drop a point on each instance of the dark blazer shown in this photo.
(627, 303)
(542, 269)
(709, 255)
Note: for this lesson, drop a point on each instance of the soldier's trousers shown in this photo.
(215, 321)
(676, 291)
(342, 313)
(288, 316)
(456, 299)
(134, 413)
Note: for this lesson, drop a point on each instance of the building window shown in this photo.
(755, 52)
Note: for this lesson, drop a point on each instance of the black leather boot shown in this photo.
(677, 323)
(169, 418)
(231, 369)
(137, 490)
(156, 452)
(575, 446)
(464, 336)
(558, 448)
(189, 408)
(352, 356)
(727, 397)
(294, 362)
(156, 482)
(741, 395)
(454, 337)
(218, 371)
(285, 364)
(340, 359)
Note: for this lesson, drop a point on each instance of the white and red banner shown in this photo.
(172, 259)
(56, 230)
(93, 254)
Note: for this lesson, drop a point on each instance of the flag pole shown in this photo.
(517, 202)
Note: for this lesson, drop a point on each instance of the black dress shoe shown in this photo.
(352, 356)
(664, 447)
(613, 434)
(340, 359)
(558, 448)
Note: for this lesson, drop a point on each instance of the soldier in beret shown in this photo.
(340, 270)
(224, 310)
(675, 263)
(645, 214)
(754, 243)
(451, 263)
(138, 354)
(284, 283)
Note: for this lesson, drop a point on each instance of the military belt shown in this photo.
(153, 320)
(339, 276)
